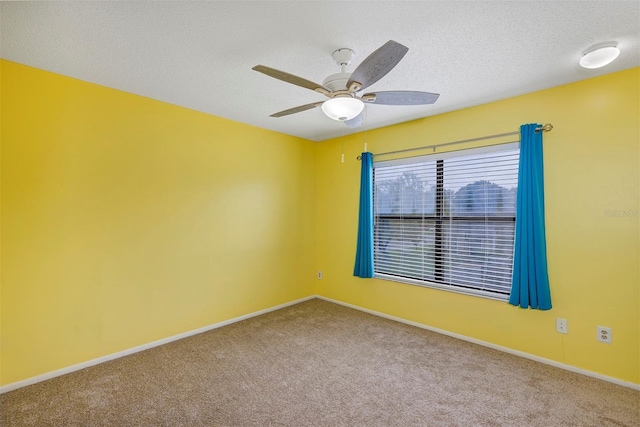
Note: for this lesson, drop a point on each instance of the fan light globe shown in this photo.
(599, 56)
(342, 108)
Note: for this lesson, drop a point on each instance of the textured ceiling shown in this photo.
(199, 54)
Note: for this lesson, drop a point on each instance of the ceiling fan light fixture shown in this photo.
(342, 108)
(600, 55)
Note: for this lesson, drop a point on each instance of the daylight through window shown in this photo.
(448, 220)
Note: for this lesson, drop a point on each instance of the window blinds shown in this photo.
(448, 219)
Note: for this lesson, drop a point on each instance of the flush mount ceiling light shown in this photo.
(599, 55)
(342, 108)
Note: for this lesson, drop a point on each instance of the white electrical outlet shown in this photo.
(604, 334)
(561, 326)
(319, 275)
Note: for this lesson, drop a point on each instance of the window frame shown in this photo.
(439, 219)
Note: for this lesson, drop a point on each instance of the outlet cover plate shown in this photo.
(561, 326)
(604, 334)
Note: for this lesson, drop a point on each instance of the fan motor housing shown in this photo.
(336, 82)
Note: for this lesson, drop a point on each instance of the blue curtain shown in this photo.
(364, 251)
(530, 281)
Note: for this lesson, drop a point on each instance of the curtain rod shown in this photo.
(545, 128)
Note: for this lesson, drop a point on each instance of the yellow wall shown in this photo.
(592, 160)
(126, 220)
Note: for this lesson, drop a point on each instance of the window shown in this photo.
(448, 220)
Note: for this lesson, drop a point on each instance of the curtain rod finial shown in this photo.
(547, 127)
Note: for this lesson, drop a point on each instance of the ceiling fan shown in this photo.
(345, 104)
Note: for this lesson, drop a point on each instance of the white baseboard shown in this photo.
(491, 345)
(77, 367)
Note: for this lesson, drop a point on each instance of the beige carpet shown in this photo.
(321, 364)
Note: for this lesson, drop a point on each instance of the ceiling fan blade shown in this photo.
(297, 109)
(356, 122)
(290, 78)
(400, 97)
(377, 65)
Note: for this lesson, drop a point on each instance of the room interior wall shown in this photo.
(592, 160)
(127, 220)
